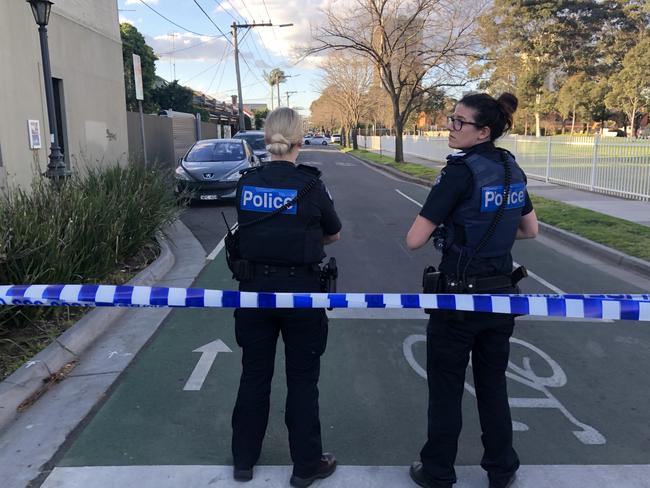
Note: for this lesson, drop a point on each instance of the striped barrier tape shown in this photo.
(617, 307)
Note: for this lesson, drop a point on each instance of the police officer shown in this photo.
(477, 208)
(282, 253)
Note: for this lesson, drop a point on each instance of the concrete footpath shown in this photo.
(102, 344)
(632, 210)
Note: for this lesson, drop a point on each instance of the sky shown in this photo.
(197, 54)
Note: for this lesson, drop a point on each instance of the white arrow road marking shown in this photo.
(208, 355)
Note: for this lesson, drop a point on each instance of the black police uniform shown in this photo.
(465, 199)
(284, 251)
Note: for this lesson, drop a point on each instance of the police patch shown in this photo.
(260, 199)
(492, 197)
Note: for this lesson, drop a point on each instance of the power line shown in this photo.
(199, 74)
(185, 48)
(222, 8)
(247, 10)
(177, 25)
(267, 10)
(223, 72)
(212, 21)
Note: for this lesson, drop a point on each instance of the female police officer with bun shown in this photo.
(280, 252)
(478, 207)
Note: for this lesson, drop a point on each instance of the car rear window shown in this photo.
(256, 141)
(204, 152)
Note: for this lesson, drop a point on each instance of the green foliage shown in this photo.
(630, 87)
(626, 236)
(80, 233)
(412, 169)
(260, 117)
(173, 96)
(133, 43)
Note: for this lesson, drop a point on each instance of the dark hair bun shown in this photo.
(508, 103)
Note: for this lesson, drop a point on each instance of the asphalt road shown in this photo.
(579, 389)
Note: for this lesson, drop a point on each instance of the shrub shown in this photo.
(81, 232)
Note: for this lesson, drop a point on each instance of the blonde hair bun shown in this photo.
(282, 130)
(278, 144)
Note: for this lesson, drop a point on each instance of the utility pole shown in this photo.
(288, 94)
(240, 101)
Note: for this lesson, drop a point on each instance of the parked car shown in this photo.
(210, 169)
(256, 140)
(336, 138)
(316, 140)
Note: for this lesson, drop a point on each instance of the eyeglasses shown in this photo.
(457, 124)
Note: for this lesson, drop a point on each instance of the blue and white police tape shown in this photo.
(617, 307)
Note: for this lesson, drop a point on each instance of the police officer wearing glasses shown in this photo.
(476, 209)
(285, 217)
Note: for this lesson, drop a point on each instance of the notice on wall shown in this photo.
(34, 133)
(137, 74)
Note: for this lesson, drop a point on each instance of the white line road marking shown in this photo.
(541, 280)
(409, 198)
(215, 252)
(528, 476)
(534, 276)
(208, 355)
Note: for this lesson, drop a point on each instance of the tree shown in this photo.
(630, 87)
(572, 98)
(133, 43)
(349, 78)
(528, 44)
(173, 96)
(415, 46)
(595, 102)
(325, 113)
(270, 78)
(625, 22)
(280, 77)
(260, 118)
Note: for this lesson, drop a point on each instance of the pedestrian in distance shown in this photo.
(285, 217)
(475, 210)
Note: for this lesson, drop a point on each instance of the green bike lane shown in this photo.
(577, 388)
(373, 401)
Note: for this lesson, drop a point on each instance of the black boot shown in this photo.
(326, 468)
(422, 479)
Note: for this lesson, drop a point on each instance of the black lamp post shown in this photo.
(56, 166)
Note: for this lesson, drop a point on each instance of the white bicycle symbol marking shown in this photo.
(524, 374)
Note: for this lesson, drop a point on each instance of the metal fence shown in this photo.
(607, 165)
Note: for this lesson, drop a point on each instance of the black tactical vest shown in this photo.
(476, 214)
(291, 238)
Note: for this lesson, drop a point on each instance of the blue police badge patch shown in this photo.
(492, 197)
(260, 199)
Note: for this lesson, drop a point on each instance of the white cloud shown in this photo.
(188, 47)
(138, 2)
(124, 20)
(284, 42)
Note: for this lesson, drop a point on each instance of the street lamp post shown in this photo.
(56, 169)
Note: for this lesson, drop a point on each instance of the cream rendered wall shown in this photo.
(86, 53)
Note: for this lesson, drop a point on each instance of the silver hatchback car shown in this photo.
(210, 169)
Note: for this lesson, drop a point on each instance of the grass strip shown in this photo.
(412, 169)
(619, 234)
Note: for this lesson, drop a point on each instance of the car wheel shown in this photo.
(324, 143)
(307, 143)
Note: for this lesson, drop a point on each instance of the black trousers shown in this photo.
(451, 336)
(305, 337)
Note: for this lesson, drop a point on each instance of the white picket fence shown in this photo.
(605, 165)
